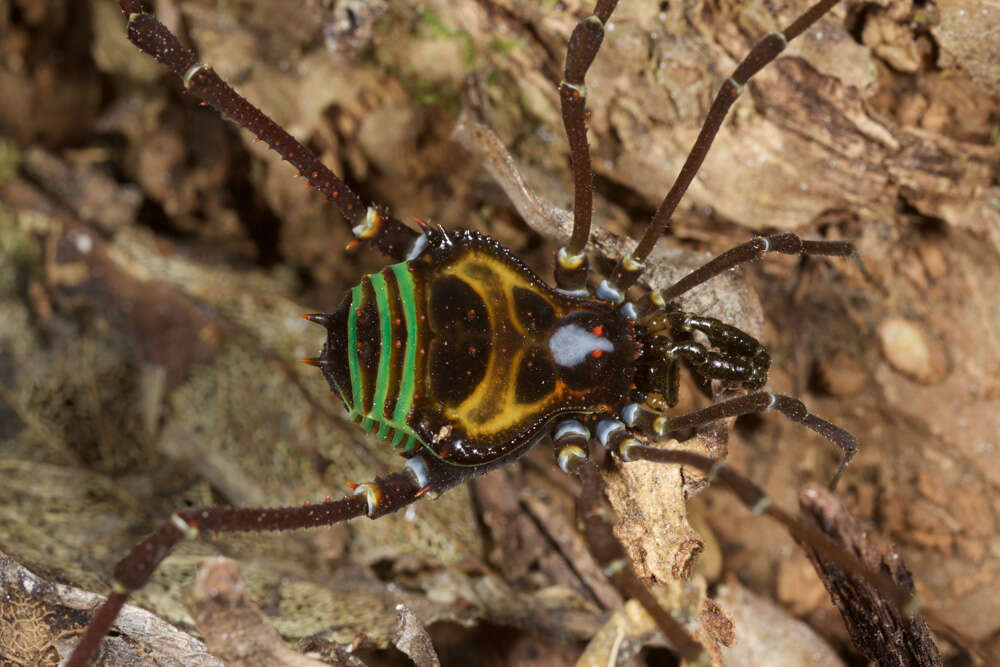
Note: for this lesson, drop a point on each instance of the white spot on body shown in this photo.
(572, 344)
(418, 468)
(605, 428)
(418, 247)
(571, 426)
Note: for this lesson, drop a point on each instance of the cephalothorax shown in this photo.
(463, 350)
(461, 357)
(463, 354)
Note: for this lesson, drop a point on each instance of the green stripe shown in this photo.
(352, 350)
(404, 403)
(382, 379)
(405, 400)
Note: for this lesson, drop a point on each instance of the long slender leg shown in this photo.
(571, 261)
(785, 243)
(754, 499)
(370, 225)
(763, 52)
(571, 456)
(759, 503)
(571, 441)
(376, 498)
(760, 401)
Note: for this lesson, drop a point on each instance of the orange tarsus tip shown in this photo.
(354, 243)
(422, 491)
(421, 223)
(351, 485)
(313, 361)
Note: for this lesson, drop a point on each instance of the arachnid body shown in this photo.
(461, 358)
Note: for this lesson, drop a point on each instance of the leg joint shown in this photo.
(370, 227)
(372, 494)
(570, 457)
(570, 261)
(192, 72)
(188, 530)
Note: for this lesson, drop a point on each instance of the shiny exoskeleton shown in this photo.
(464, 351)
(461, 357)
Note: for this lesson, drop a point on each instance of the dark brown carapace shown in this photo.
(464, 351)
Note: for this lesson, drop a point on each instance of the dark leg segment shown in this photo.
(785, 243)
(766, 50)
(376, 228)
(571, 262)
(761, 401)
(601, 542)
(377, 498)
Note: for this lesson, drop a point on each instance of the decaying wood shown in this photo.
(886, 635)
(154, 262)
